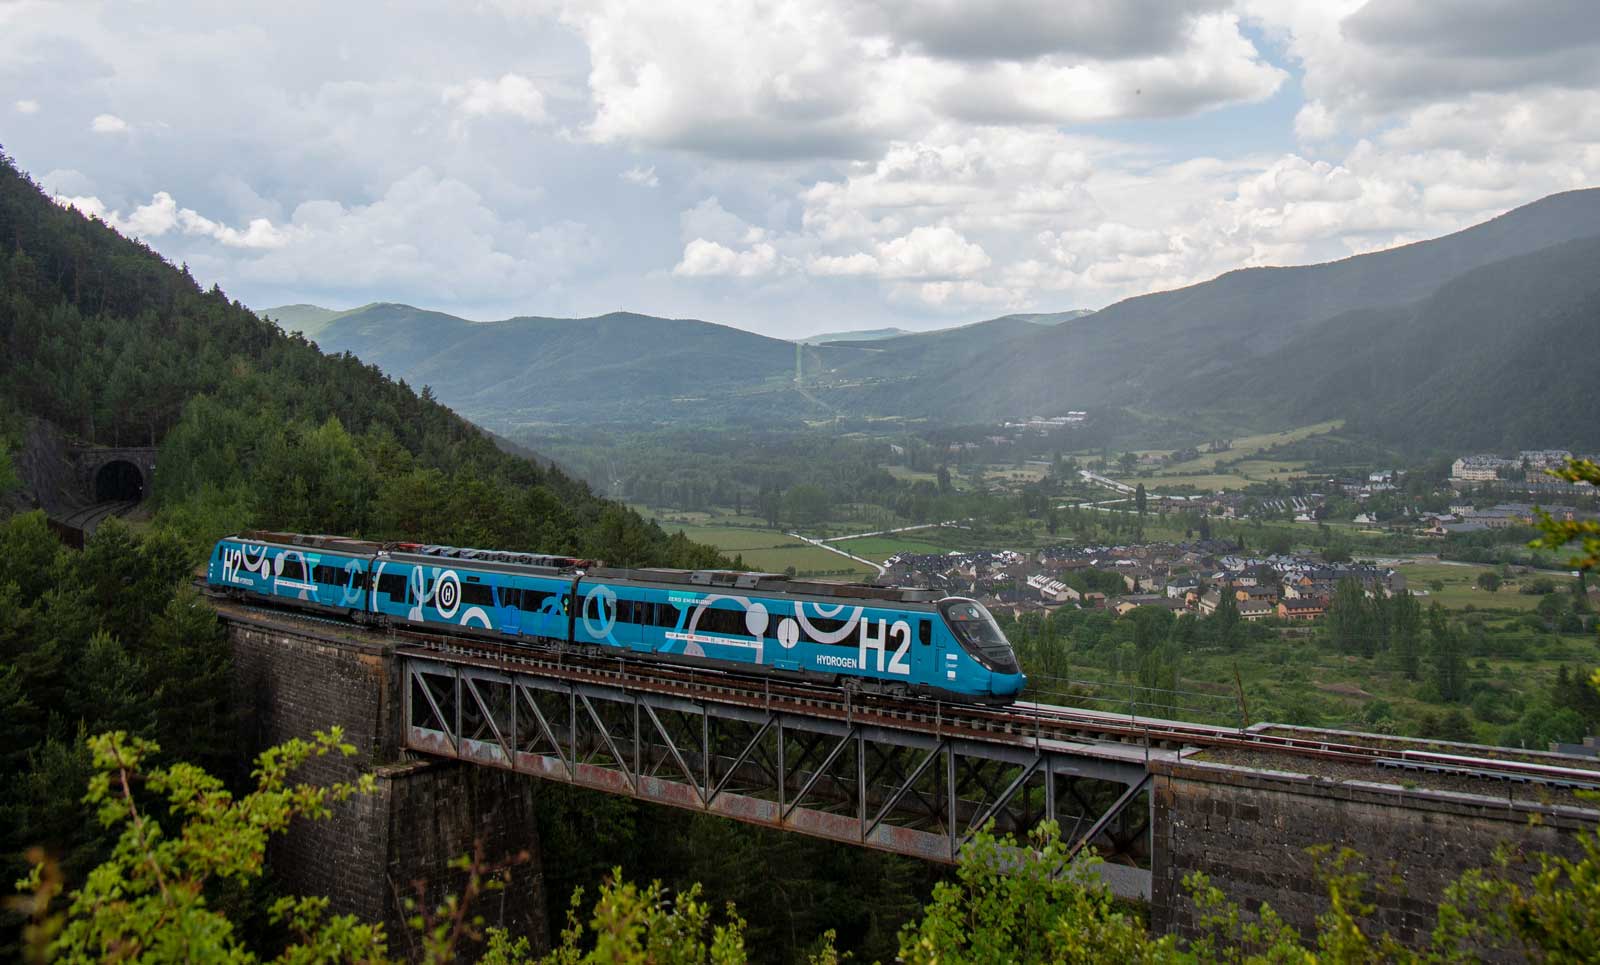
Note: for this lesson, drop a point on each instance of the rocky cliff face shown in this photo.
(48, 479)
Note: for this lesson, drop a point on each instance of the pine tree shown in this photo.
(1445, 654)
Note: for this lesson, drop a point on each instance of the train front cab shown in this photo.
(977, 634)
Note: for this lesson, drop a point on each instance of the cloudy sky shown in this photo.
(790, 167)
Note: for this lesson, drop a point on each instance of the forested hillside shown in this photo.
(111, 343)
(1502, 356)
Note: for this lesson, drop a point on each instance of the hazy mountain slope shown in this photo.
(396, 338)
(865, 335)
(1055, 318)
(937, 351)
(1128, 352)
(308, 320)
(1503, 354)
(1223, 342)
(560, 368)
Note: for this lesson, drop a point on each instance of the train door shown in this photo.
(922, 657)
(355, 582)
(944, 654)
(510, 610)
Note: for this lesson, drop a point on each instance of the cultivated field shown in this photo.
(771, 550)
(881, 548)
(1461, 586)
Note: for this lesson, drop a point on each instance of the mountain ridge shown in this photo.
(1187, 351)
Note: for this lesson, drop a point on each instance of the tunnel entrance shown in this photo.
(119, 480)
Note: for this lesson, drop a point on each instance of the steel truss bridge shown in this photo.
(914, 778)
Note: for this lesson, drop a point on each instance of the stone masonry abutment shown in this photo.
(1252, 832)
(368, 856)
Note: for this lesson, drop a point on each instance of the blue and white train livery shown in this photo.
(884, 639)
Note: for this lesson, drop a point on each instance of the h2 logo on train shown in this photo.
(877, 644)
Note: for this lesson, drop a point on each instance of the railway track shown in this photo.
(87, 518)
(1020, 722)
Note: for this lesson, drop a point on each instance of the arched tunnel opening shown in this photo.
(118, 480)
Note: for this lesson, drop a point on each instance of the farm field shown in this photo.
(807, 561)
(1461, 589)
(730, 538)
(1247, 446)
(881, 548)
(958, 481)
(772, 550)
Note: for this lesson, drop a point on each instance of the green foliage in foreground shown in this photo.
(153, 899)
(1585, 534)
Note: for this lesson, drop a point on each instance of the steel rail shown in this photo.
(1018, 723)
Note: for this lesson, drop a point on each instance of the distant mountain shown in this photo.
(1131, 353)
(1255, 348)
(1056, 318)
(1503, 356)
(624, 366)
(865, 335)
(308, 320)
(616, 366)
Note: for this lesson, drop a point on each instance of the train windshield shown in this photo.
(978, 634)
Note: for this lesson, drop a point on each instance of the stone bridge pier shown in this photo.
(370, 855)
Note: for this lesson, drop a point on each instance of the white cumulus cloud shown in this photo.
(108, 124)
(702, 258)
(162, 215)
(645, 177)
(27, 106)
(511, 94)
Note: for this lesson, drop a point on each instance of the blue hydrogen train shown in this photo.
(893, 640)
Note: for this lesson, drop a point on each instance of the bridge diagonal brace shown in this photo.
(744, 755)
(544, 729)
(906, 785)
(672, 748)
(605, 735)
(822, 769)
(1005, 796)
(433, 705)
(488, 718)
(1110, 815)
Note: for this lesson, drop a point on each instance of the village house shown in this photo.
(1256, 594)
(1302, 609)
(1256, 610)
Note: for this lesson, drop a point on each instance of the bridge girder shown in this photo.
(911, 790)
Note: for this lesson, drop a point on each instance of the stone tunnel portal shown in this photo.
(117, 481)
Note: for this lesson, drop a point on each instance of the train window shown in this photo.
(633, 611)
(534, 601)
(393, 584)
(715, 620)
(599, 609)
(476, 594)
(666, 615)
(924, 632)
(293, 569)
(331, 575)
